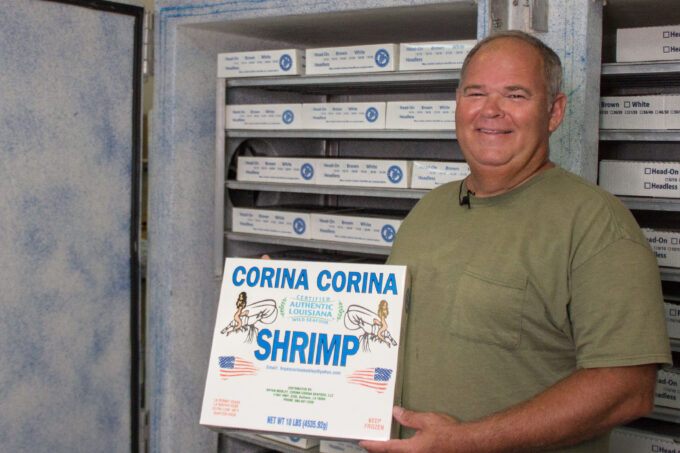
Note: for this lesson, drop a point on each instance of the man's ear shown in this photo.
(556, 111)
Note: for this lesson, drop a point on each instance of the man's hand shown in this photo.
(435, 433)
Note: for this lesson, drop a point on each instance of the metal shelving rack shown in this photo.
(645, 74)
(403, 82)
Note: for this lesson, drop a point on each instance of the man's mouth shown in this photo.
(493, 131)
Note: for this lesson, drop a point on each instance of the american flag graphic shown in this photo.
(373, 378)
(231, 366)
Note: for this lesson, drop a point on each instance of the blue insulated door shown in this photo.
(69, 153)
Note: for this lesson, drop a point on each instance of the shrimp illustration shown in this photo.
(247, 316)
(373, 324)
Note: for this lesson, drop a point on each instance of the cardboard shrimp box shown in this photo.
(648, 43)
(629, 440)
(644, 179)
(428, 174)
(272, 222)
(334, 446)
(666, 246)
(352, 59)
(370, 227)
(260, 63)
(364, 173)
(421, 115)
(419, 56)
(298, 170)
(263, 116)
(344, 115)
(296, 441)
(667, 391)
(672, 319)
(307, 348)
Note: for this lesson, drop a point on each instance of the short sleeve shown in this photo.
(616, 309)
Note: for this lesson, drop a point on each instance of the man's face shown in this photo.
(503, 119)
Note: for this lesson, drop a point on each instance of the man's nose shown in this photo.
(492, 106)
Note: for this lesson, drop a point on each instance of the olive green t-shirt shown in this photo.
(520, 290)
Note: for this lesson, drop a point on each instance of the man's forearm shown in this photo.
(585, 404)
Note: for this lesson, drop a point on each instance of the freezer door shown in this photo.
(69, 191)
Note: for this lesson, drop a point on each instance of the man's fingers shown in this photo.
(407, 418)
(378, 446)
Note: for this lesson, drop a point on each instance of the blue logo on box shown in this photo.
(388, 232)
(382, 58)
(288, 116)
(285, 62)
(394, 174)
(306, 171)
(371, 114)
(299, 225)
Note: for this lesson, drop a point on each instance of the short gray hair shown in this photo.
(552, 66)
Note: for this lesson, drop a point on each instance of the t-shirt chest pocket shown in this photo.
(487, 307)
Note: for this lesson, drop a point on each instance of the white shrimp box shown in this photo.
(272, 222)
(421, 115)
(260, 63)
(296, 441)
(634, 112)
(364, 173)
(672, 319)
(298, 170)
(307, 348)
(648, 43)
(264, 116)
(352, 59)
(334, 446)
(666, 246)
(424, 56)
(667, 393)
(344, 115)
(357, 227)
(644, 179)
(629, 440)
(427, 174)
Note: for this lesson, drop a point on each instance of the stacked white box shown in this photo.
(627, 440)
(672, 319)
(634, 112)
(293, 352)
(421, 115)
(358, 227)
(296, 441)
(344, 115)
(666, 246)
(645, 179)
(273, 222)
(260, 63)
(264, 116)
(648, 43)
(352, 59)
(298, 170)
(363, 173)
(428, 174)
(419, 56)
(334, 446)
(667, 393)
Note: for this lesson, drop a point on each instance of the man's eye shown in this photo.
(475, 94)
(517, 96)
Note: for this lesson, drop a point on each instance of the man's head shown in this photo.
(552, 66)
(506, 110)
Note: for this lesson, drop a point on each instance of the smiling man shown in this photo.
(536, 320)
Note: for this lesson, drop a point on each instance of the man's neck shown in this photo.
(488, 183)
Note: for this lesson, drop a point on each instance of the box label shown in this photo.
(353, 59)
(651, 179)
(434, 55)
(259, 63)
(431, 174)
